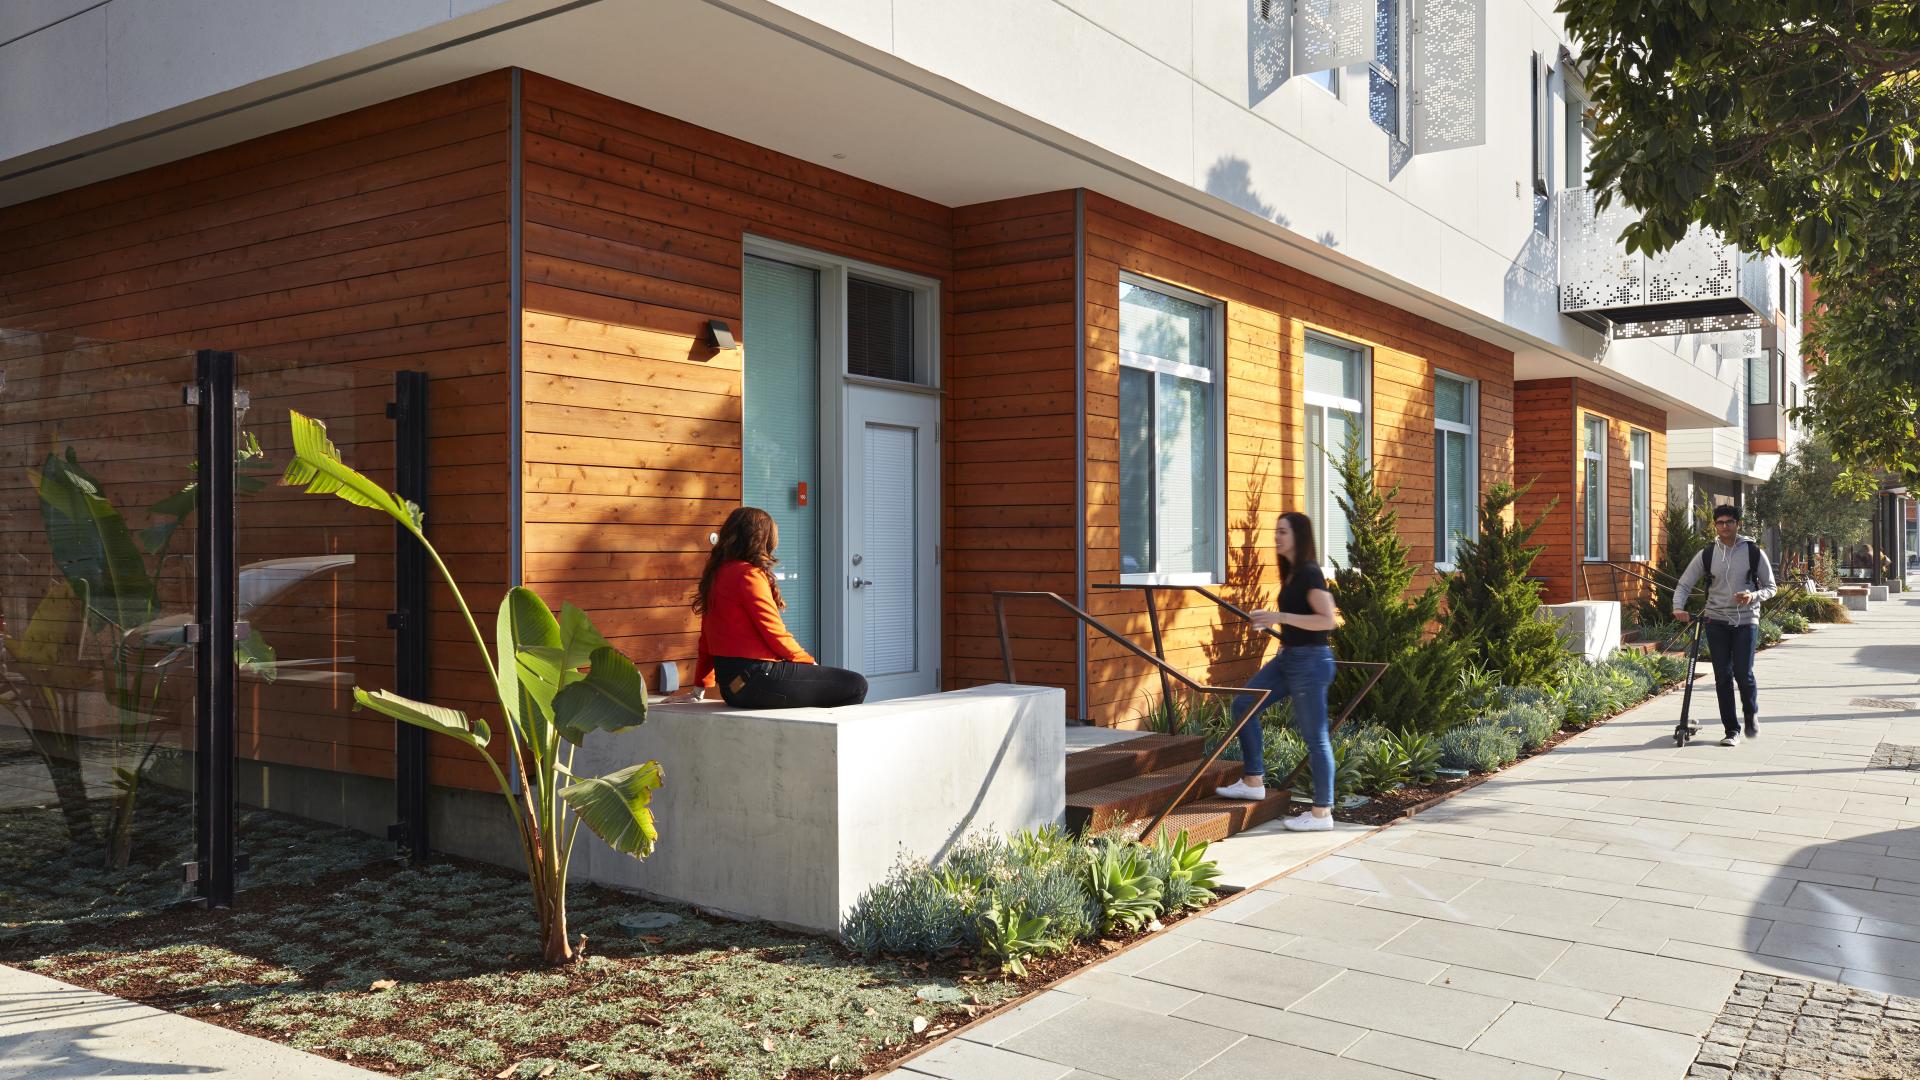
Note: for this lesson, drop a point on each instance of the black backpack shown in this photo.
(1753, 566)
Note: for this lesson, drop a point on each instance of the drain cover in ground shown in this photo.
(648, 920)
(1881, 703)
(1894, 756)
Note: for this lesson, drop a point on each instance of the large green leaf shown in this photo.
(614, 806)
(579, 638)
(317, 467)
(526, 636)
(449, 722)
(91, 543)
(256, 658)
(612, 697)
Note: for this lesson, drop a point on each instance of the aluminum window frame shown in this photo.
(1471, 429)
(1594, 509)
(1214, 374)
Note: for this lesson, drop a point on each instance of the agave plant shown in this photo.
(557, 680)
(1008, 935)
(1118, 877)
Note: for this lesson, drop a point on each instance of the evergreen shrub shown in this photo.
(1492, 607)
(1479, 747)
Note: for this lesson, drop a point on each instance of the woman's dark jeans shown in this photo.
(1302, 673)
(782, 684)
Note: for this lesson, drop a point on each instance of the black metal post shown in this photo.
(214, 672)
(411, 577)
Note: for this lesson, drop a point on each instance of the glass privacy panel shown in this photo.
(781, 418)
(1332, 370)
(1164, 327)
(1760, 379)
(1591, 482)
(890, 502)
(313, 587)
(879, 331)
(1457, 500)
(1136, 471)
(1596, 435)
(98, 522)
(1185, 510)
(1450, 400)
(1316, 458)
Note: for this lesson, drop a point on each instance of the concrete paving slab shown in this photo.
(52, 1031)
(1584, 1046)
(1430, 1013)
(1123, 1043)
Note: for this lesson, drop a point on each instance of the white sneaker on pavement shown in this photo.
(1240, 789)
(1309, 822)
(1731, 740)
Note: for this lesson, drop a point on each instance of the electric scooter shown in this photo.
(1686, 729)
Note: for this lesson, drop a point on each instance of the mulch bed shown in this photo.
(432, 972)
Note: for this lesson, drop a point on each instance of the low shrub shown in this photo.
(1792, 621)
(1770, 633)
(1509, 696)
(1008, 899)
(1530, 724)
(1379, 766)
(1627, 680)
(1478, 747)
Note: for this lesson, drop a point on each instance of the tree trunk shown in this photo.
(70, 786)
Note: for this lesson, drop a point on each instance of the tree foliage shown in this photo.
(1811, 497)
(1423, 687)
(1493, 608)
(1787, 125)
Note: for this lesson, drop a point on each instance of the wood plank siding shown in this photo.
(328, 256)
(1551, 418)
(1269, 309)
(635, 226)
(1010, 460)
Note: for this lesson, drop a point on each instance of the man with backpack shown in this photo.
(1737, 577)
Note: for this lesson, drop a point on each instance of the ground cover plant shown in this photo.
(422, 972)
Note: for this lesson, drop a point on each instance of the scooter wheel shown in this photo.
(1680, 736)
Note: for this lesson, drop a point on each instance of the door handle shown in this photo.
(860, 582)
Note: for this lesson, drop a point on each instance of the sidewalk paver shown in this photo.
(52, 1031)
(1595, 912)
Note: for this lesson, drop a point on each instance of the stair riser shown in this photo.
(1225, 823)
(1090, 772)
(1146, 803)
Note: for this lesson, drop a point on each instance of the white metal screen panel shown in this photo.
(1449, 75)
(1331, 34)
(1596, 273)
(1269, 46)
(890, 504)
(1702, 266)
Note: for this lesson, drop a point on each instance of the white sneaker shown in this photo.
(1309, 822)
(1240, 789)
(1731, 740)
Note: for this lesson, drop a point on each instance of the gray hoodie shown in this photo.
(1729, 577)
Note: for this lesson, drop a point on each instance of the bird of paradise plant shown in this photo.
(557, 680)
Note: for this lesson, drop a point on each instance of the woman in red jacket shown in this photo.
(744, 644)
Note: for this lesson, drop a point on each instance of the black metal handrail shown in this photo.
(1168, 673)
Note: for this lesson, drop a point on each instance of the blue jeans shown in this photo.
(1731, 648)
(1302, 673)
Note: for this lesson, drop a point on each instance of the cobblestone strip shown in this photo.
(1789, 1029)
(1894, 756)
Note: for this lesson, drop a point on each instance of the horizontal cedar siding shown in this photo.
(634, 229)
(1010, 421)
(1270, 307)
(1552, 438)
(365, 243)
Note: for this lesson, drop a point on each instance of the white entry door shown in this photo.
(892, 507)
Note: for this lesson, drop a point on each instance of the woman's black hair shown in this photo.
(1303, 550)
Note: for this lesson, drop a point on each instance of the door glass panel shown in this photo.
(1316, 458)
(879, 331)
(781, 418)
(98, 519)
(1457, 495)
(889, 505)
(1340, 426)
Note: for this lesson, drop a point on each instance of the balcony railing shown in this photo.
(1702, 285)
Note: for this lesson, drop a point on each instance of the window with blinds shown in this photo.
(880, 332)
(1640, 460)
(1593, 486)
(1336, 414)
(1170, 453)
(1455, 455)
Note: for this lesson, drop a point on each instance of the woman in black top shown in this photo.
(1302, 671)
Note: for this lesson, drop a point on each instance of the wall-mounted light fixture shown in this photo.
(720, 335)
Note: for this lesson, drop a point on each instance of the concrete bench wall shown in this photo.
(789, 815)
(1591, 628)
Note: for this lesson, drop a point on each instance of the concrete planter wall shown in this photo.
(1591, 628)
(790, 815)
